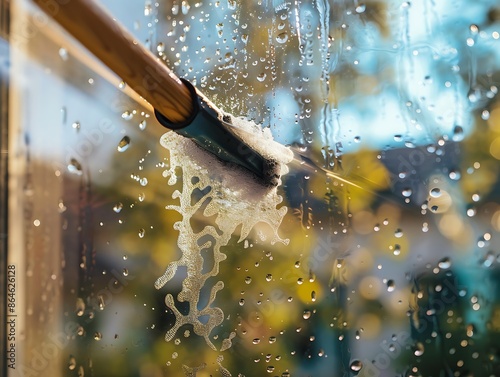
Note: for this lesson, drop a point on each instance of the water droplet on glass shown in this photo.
(148, 8)
(100, 302)
(256, 341)
(360, 8)
(122, 85)
(185, 7)
(143, 181)
(261, 77)
(474, 94)
(74, 167)
(356, 366)
(219, 27)
(431, 148)
(444, 263)
(76, 126)
(272, 339)
(63, 53)
(142, 233)
(242, 302)
(269, 277)
(391, 286)
(72, 363)
(407, 192)
(124, 144)
(118, 207)
(458, 133)
(125, 272)
(455, 175)
(127, 115)
(282, 37)
(397, 250)
(312, 276)
(398, 233)
(419, 349)
(97, 335)
(470, 330)
(248, 280)
(306, 314)
(435, 192)
(142, 125)
(160, 48)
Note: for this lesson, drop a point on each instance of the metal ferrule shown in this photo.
(207, 130)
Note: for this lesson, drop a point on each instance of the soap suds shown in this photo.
(233, 196)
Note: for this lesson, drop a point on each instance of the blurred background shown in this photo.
(381, 259)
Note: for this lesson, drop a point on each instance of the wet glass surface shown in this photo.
(136, 254)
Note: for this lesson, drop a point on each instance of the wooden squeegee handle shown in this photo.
(124, 55)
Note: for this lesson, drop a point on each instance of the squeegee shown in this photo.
(177, 104)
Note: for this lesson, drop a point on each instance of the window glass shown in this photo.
(132, 252)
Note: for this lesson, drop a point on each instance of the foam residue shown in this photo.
(261, 140)
(191, 372)
(236, 199)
